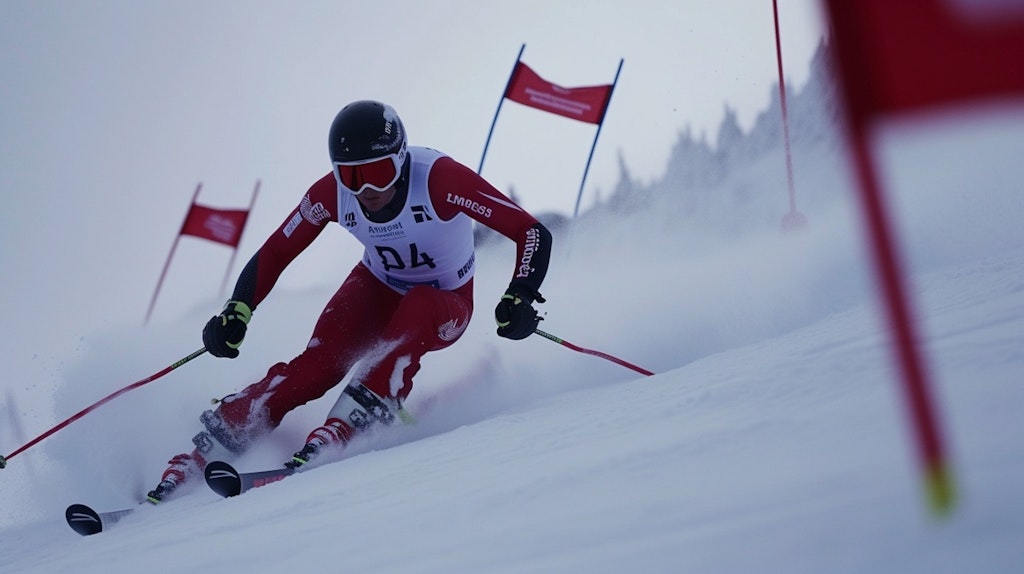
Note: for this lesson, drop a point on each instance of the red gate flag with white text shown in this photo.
(222, 226)
(897, 59)
(586, 104)
(218, 225)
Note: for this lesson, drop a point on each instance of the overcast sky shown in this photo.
(111, 112)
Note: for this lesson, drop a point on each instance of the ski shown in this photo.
(223, 479)
(86, 521)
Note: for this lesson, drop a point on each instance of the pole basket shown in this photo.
(794, 221)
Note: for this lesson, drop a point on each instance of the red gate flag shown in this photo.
(586, 104)
(219, 225)
(900, 56)
(897, 58)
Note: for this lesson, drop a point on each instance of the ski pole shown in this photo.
(104, 400)
(565, 343)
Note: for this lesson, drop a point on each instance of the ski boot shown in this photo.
(334, 432)
(182, 468)
(301, 458)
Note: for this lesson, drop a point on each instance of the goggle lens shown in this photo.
(378, 173)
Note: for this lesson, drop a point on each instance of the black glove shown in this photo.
(516, 317)
(224, 333)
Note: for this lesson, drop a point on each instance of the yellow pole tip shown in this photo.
(941, 491)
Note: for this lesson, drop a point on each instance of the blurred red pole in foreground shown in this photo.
(899, 59)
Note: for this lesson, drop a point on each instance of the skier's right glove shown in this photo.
(224, 333)
(515, 315)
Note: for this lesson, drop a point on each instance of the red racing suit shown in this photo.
(412, 293)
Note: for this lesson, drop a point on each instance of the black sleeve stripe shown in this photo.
(534, 263)
(245, 287)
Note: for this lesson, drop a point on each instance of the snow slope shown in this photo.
(773, 438)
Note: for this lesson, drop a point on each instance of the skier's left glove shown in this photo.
(515, 315)
(223, 334)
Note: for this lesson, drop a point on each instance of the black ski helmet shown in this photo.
(364, 130)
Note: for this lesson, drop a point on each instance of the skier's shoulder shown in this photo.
(424, 154)
(443, 171)
(320, 204)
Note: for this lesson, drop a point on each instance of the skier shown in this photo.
(413, 209)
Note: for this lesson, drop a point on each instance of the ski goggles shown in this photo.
(378, 173)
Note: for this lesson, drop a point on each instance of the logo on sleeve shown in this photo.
(531, 247)
(470, 205)
(315, 214)
(292, 224)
